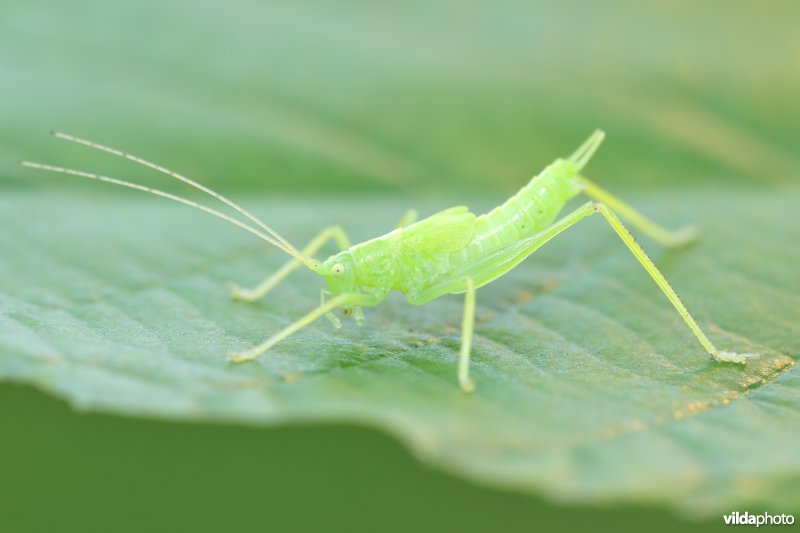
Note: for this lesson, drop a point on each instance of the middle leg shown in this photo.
(467, 325)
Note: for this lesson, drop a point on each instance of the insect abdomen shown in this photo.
(532, 209)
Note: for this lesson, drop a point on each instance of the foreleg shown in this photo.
(342, 300)
(258, 292)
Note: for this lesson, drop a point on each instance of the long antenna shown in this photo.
(172, 173)
(61, 170)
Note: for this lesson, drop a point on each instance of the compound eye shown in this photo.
(338, 269)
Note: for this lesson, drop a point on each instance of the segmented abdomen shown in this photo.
(526, 213)
(529, 211)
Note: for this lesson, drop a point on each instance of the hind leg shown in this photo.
(494, 264)
(656, 232)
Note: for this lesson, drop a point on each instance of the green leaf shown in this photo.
(590, 388)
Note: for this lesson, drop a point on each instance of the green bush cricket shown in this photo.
(451, 252)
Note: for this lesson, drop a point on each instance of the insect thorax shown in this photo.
(375, 261)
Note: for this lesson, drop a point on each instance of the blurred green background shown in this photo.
(431, 102)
